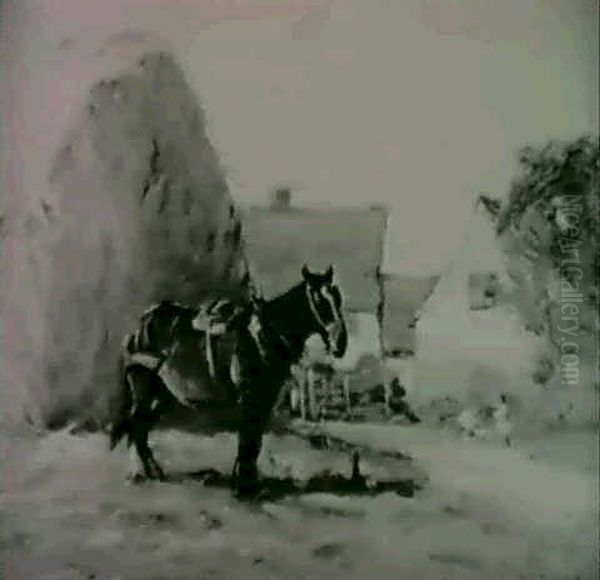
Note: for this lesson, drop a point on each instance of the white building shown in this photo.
(471, 345)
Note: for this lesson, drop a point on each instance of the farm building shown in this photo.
(394, 322)
(471, 345)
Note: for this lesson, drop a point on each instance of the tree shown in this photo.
(548, 230)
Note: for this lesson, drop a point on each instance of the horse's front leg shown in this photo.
(256, 409)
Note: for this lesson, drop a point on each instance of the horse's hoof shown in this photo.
(247, 491)
(255, 495)
(158, 473)
(136, 479)
(162, 476)
(246, 495)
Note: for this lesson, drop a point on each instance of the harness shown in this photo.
(255, 327)
(212, 323)
(314, 310)
(207, 321)
(148, 361)
(315, 313)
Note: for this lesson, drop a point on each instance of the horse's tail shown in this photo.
(120, 427)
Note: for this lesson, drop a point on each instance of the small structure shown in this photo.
(470, 343)
(281, 199)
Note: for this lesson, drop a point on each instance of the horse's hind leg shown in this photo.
(147, 408)
(142, 424)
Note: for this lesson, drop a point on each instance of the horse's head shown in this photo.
(325, 302)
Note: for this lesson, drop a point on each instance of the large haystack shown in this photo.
(135, 209)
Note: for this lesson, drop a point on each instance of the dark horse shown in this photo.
(223, 355)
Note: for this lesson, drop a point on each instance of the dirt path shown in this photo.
(67, 513)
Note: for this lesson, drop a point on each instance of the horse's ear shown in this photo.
(245, 281)
(306, 273)
(329, 275)
(257, 302)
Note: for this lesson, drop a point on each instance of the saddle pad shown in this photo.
(185, 372)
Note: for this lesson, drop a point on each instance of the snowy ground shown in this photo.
(485, 512)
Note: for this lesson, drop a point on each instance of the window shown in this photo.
(483, 290)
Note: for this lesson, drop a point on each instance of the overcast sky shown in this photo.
(417, 104)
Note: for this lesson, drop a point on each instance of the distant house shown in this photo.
(281, 237)
(473, 280)
(470, 343)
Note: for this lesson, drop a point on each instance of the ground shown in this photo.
(484, 511)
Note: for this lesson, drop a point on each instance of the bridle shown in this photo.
(324, 327)
(258, 320)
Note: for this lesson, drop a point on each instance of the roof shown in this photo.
(278, 242)
(404, 300)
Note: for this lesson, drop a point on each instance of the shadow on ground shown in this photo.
(275, 488)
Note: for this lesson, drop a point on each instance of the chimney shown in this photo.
(281, 199)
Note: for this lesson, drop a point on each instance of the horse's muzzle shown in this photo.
(337, 336)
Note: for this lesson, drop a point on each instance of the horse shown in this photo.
(224, 354)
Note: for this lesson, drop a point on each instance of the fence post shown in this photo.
(387, 392)
(312, 403)
(303, 382)
(346, 387)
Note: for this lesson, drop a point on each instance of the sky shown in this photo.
(419, 105)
